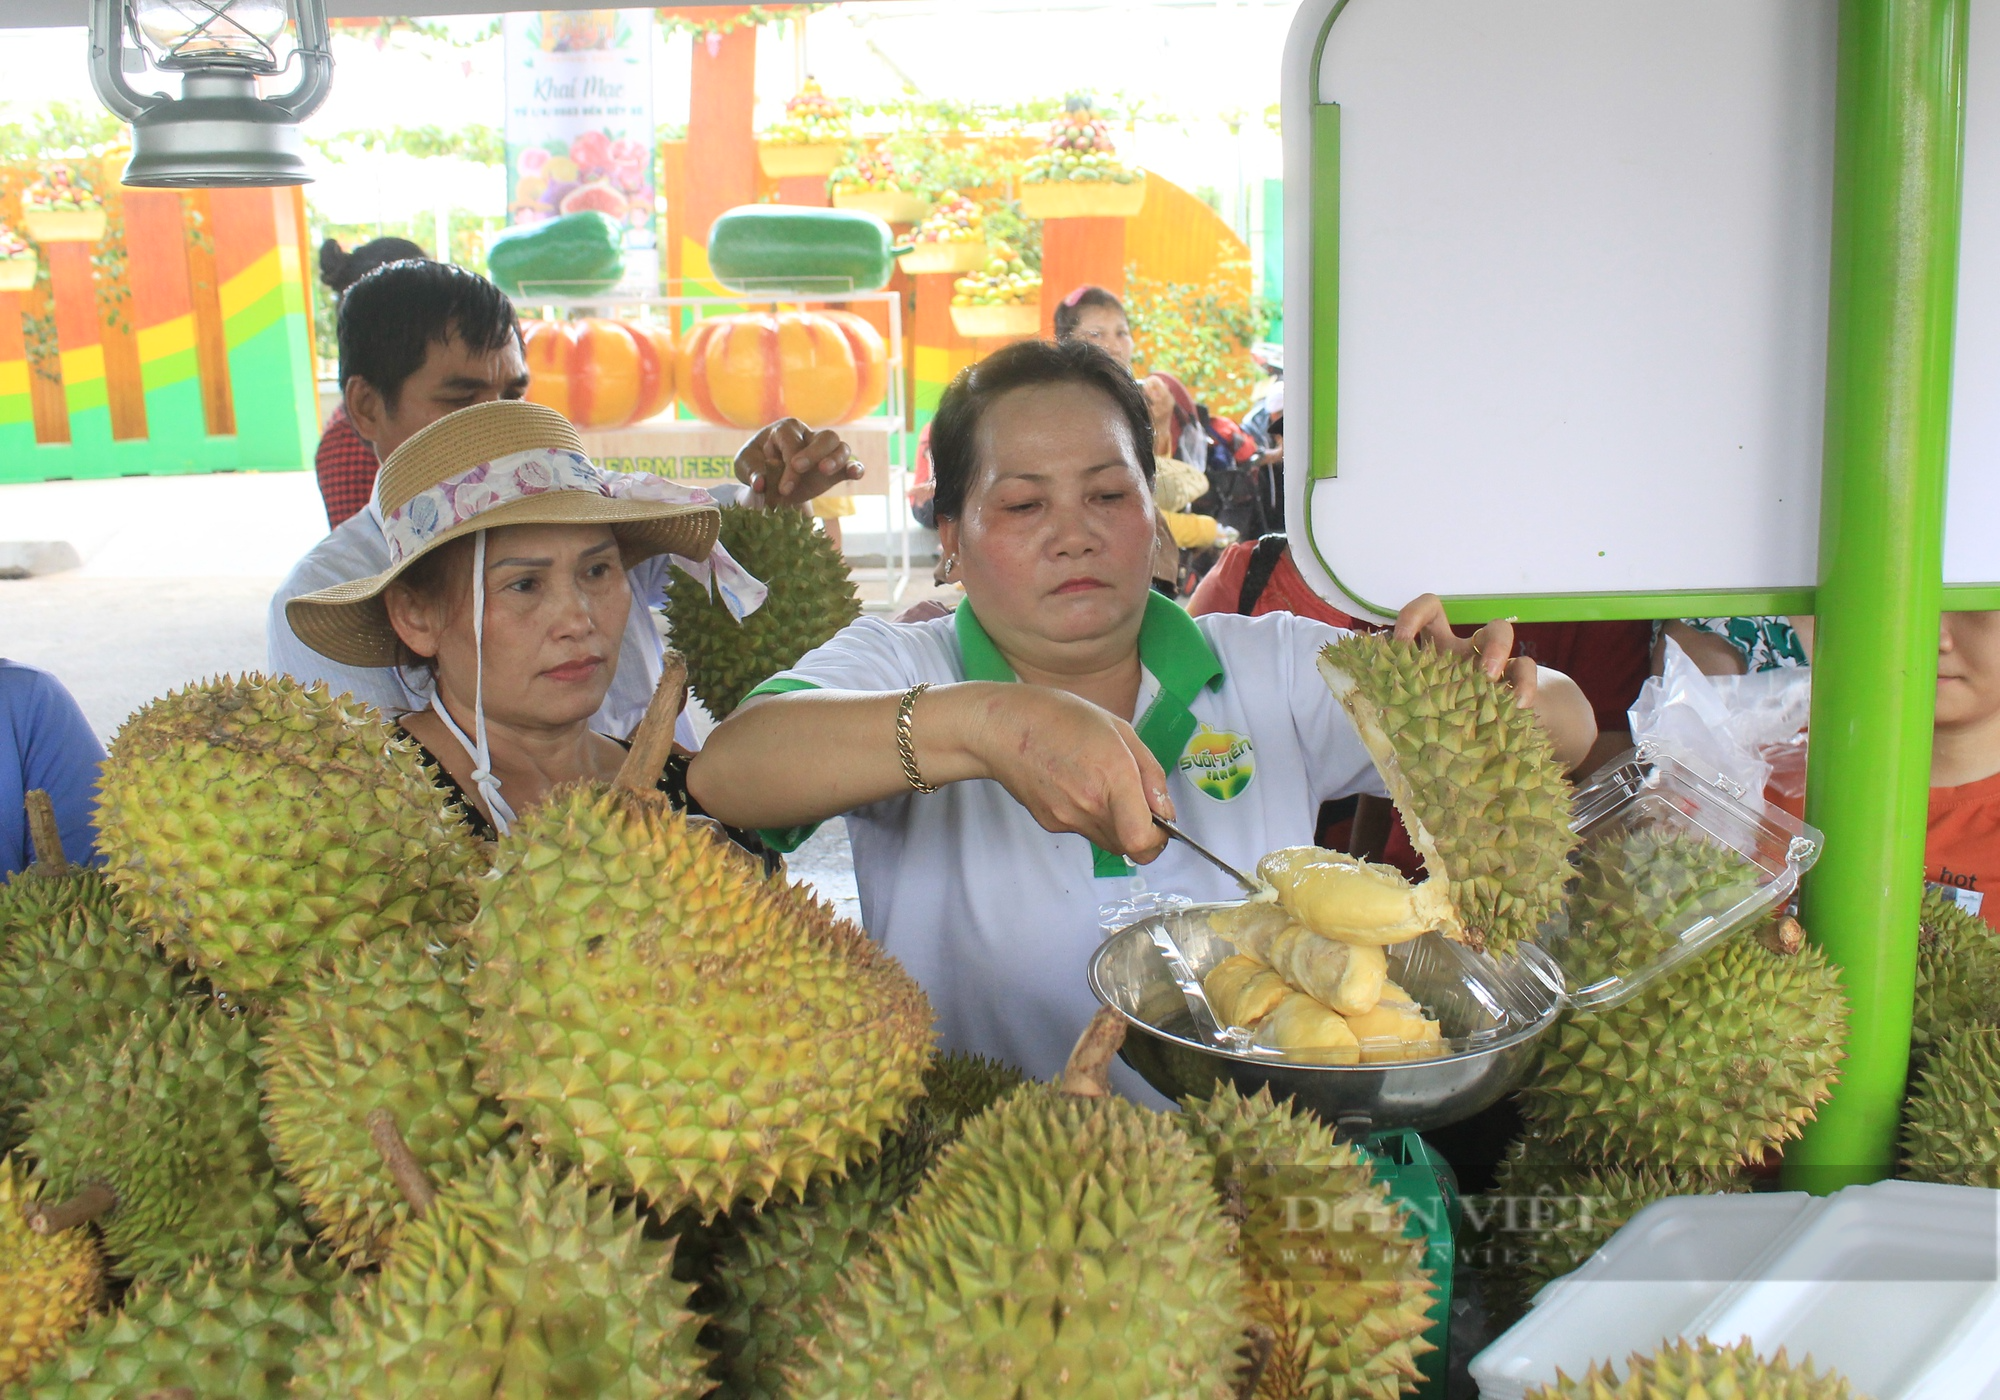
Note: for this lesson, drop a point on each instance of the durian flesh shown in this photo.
(1351, 900)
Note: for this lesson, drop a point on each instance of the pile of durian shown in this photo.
(1486, 805)
(305, 1093)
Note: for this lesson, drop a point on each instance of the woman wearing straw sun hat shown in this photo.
(507, 582)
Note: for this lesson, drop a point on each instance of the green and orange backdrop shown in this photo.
(178, 342)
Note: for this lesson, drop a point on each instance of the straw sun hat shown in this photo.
(494, 464)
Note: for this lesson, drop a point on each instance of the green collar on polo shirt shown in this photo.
(1171, 647)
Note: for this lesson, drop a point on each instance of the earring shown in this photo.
(950, 565)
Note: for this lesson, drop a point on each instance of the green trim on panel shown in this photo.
(1323, 424)
(1972, 597)
(1899, 132)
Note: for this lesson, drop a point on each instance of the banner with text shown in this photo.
(580, 125)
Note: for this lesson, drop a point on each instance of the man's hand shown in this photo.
(787, 463)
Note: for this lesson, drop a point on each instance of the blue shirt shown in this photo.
(46, 743)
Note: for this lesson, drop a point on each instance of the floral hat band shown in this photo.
(453, 502)
(511, 463)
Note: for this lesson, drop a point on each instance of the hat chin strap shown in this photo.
(482, 753)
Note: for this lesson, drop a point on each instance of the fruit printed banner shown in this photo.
(580, 125)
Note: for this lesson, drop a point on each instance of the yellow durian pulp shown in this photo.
(1351, 900)
(1243, 990)
(1302, 1027)
(1396, 1029)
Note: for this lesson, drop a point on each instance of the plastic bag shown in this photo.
(1746, 732)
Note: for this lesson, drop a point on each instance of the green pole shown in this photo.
(1898, 132)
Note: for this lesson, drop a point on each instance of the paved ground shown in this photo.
(177, 574)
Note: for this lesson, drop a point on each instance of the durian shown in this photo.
(388, 1027)
(659, 1012)
(1958, 971)
(1726, 1057)
(258, 826)
(155, 1132)
(1243, 990)
(1307, 1029)
(80, 972)
(789, 1256)
(49, 1284)
(1546, 1215)
(229, 1331)
(517, 1281)
(1343, 897)
(1637, 892)
(811, 598)
(1396, 1030)
(1328, 1263)
(1951, 1127)
(1701, 1370)
(1062, 1246)
(1473, 774)
(1346, 976)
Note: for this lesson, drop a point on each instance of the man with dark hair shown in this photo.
(420, 340)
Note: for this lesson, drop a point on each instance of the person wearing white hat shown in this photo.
(507, 583)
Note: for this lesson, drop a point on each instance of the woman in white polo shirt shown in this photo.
(999, 769)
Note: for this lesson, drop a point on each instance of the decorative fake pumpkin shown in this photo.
(820, 367)
(600, 373)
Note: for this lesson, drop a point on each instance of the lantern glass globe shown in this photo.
(213, 33)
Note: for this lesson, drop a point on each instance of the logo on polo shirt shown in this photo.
(1218, 762)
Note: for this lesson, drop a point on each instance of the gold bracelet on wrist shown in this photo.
(906, 747)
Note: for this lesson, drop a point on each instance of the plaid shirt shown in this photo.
(346, 466)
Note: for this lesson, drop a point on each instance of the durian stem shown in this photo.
(403, 1164)
(86, 1205)
(653, 740)
(1260, 1341)
(44, 832)
(1088, 1073)
(1784, 935)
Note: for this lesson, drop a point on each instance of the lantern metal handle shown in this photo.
(108, 20)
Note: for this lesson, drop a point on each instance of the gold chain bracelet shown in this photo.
(906, 746)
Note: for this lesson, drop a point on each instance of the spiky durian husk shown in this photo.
(35, 897)
(49, 1284)
(1059, 1244)
(1726, 1057)
(811, 599)
(788, 1256)
(658, 1011)
(1958, 972)
(77, 974)
(166, 1115)
(1951, 1126)
(1474, 776)
(1349, 1321)
(1546, 1215)
(229, 1331)
(258, 826)
(386, 1027)
(1637, 891)
(519, 1281)
(1701, 1370)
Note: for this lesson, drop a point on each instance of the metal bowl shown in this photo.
(1490, 1014)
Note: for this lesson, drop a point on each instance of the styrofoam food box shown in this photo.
(1895, 1285)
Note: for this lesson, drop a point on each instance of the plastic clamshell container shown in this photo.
(1631, 812)
(1669, 1265)
(1895, 1285)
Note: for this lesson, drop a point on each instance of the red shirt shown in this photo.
(1609, 661)
(1962, 841)
(1222, 588)
(346, 467)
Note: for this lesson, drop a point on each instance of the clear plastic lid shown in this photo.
(1669, 864)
